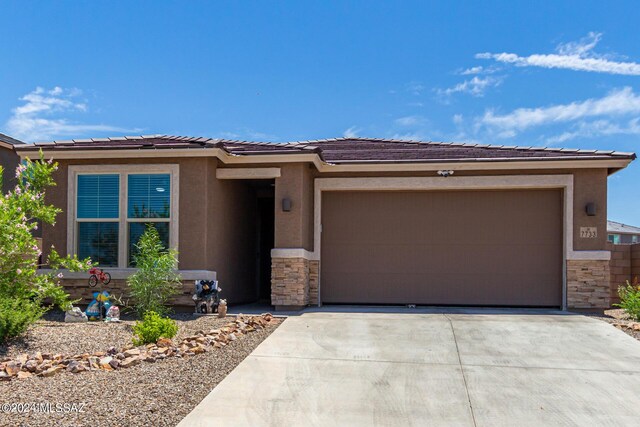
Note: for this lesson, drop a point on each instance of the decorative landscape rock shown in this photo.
(132, 352)
(24, 375)
(12, 368)
(31, 365)
(47, 365)
(75, 315)
(129, 361)
(52, 371)
(634, 326)
(75, 367)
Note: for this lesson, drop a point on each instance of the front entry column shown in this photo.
(293, 269)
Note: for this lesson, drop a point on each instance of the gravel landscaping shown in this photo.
(158, 394)
(621, 320)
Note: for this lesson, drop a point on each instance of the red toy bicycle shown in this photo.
(98, 275)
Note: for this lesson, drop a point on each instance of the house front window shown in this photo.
(148, 202)
(112, 210)
(98, 213)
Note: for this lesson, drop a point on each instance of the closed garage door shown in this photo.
(499, 248)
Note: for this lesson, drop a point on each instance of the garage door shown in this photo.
(498, 248)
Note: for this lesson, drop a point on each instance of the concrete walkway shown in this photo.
(492, 368)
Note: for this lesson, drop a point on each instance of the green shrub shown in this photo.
(153, 327)
(630, 299)
(156, 280)
(24, 290)
(16, 315)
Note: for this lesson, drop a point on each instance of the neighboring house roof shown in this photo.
(339, 150)
(619, 228)
(6, 139)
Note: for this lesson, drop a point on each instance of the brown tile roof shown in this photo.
(10, 140)
(338, 150)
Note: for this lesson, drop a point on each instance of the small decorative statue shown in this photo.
(75, 315)
(113, 314)
(99, 306)
(222, 308)
(207, 296)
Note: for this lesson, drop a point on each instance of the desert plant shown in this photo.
(22, 288)
(16, 315)
(153, 327)
(156, 280)
(630, 299)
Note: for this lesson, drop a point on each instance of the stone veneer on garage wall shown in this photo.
(588, 284)
(289, 283)
(294, 282)
(314, 282)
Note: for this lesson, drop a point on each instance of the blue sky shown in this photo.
(563, 73)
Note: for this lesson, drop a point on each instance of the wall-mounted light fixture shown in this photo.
(590, 208)
(445, 173)
(286, 205)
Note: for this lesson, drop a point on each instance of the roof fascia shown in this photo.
(7, 145)
(228, 158)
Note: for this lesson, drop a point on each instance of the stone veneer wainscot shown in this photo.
(588, 284)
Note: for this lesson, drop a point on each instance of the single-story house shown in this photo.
(619, 233)
(8, 160)
(345, 220)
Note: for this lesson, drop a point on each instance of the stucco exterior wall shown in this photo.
(192, 220)
(216, 223)
(590, 185)
(217, 218)
(294, 229)
(231, 241)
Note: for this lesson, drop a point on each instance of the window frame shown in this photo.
(149, 220)
(78, 220)
(123, 221)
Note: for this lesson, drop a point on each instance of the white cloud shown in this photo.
(410, 121)
(582, 47)
(473, 70)
(246, 134)
(617, 103)
(411, 136)
(39, 117)
(415, 88)
(352, 132)
(598, 128)
(477, 86)
(577, 56)
(457, 119)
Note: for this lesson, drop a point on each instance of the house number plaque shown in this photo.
(588, 232)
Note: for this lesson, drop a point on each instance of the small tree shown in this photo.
(156, 280)
(630, 299)
(24, 292)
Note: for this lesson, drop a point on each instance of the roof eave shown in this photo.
(477, 159)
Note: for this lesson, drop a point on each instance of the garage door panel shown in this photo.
(462, 247)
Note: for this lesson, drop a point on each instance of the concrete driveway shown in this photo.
(432, 369)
